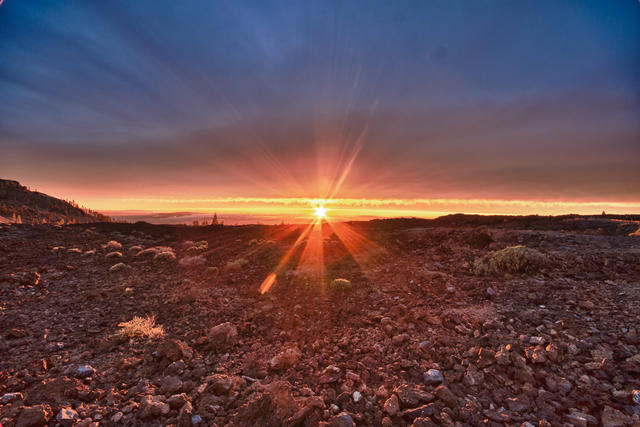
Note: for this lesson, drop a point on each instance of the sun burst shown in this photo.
(320, 212)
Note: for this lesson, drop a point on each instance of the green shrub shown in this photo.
(514, 259)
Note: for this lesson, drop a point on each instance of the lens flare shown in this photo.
(320, 212)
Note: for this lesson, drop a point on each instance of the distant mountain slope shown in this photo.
(18, 204)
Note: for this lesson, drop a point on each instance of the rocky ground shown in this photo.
(421, 336)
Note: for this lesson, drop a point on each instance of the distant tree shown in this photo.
(196, 222)
(214, 221)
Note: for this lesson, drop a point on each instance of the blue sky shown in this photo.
(492, 99)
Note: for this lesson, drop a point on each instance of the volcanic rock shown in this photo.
(67, 417)
(32, 416)
(433, 377)
(222, 336)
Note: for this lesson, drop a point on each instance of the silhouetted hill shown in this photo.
(18, 204)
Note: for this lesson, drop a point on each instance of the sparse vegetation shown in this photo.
(112, 244)
(165, 256)
(237, 265)
(141, 327)
(148, 252)
(153, 251)
(340, 285)
(192, 260)
(513, 259)
(114, 254)
(119, 267)
(198, 246)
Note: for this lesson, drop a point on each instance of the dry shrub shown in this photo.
(112, 244)
(114, 254)
(192, 260)
(165, 256)
(119, 267)
(237, 265)
(513, 259)
(340, 285)
(148, 252)
(141, 327)
(198, 246)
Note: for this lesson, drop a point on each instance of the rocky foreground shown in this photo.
(115, 324)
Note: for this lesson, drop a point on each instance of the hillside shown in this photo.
(18, 204)
(390, 323)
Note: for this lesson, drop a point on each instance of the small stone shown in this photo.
(171, 385)
(433, 377)
(613, 418)
(635, 397)
(117, 417)
(175, 368)
(382, 392)
(536, 354)
(518, 404)
(67, 417)
(174, 350)
(152, 407)
(580, 419)
(357, 396)
(177, 400)
(287, 358)
(473, 376)
(490, 291)
(502, 356)
(446, 396)
(410, 396)
(400, 339)
(11, 397)
(222, 336)
(341, 420)
(392, 405)
(553, 353)
(537, 341)
(85, 371)
(196, 419)
(424, 411)
(220, 384)
(330, 374)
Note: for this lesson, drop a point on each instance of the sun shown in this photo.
(320, 212)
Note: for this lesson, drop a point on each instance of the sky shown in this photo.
(393, 108)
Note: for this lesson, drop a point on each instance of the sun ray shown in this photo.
(363, 250)
(270, 280)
